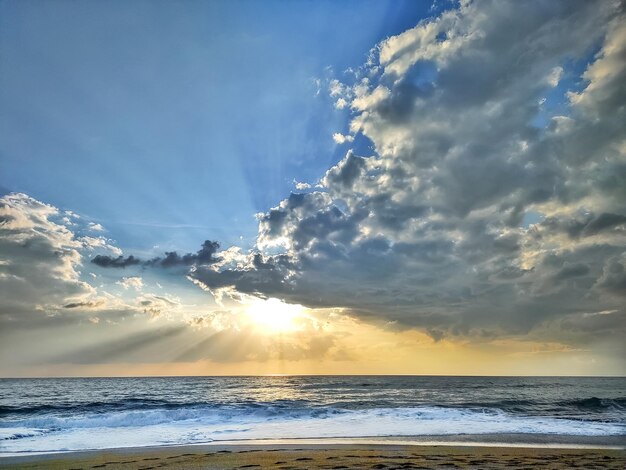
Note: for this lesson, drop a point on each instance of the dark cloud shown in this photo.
(105, 261)
(613, 277)
(87, 304)
(572, 271)
(206, 255)
(347, 171)
(586, 225)
(604, 222)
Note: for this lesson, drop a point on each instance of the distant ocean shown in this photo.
(43, 415)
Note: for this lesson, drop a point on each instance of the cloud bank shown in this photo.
(482, 212)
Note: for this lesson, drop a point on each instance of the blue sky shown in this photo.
(170, 124)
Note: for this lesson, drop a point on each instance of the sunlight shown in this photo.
(274, 315)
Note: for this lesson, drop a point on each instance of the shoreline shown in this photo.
(534, 441)
(548, 441)
(386, 454)
(538, 441)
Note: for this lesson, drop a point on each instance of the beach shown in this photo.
(327, 456)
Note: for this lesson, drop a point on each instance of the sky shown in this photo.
(354, 187)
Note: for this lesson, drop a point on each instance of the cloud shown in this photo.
(204, 256)
(613, 278)
(89, 304)
(158, 305)
(428, 233)
(31, 242)
(171, 259)
(133, 282)
(342, 139)
(41, 257)
(105, 261)
(95, 227)
(585, 225)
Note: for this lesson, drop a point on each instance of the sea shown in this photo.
(70, 414)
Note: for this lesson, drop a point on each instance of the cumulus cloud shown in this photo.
(41, 257)
(428, 232)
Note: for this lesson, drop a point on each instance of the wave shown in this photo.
(591, 403)
(196, 424)
(593, 408)
(597, 404)
(9, 434)
(129, 404)
(94, 416)
(462, 420)
(7, 410)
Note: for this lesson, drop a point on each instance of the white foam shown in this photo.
(196, 425)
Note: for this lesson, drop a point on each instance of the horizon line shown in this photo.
(306, 375)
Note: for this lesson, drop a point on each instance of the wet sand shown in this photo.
(334, 456)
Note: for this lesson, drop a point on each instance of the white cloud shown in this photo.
(99, 243)
(134, 282)
(342, 139)
(40, 280)
(95, 227)
(341, 103)
(336, 88)
(43, 258)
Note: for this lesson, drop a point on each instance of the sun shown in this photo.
(274, 315)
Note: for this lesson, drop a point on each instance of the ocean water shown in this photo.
(45, 415)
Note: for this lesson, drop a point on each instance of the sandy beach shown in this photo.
(333, 456)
